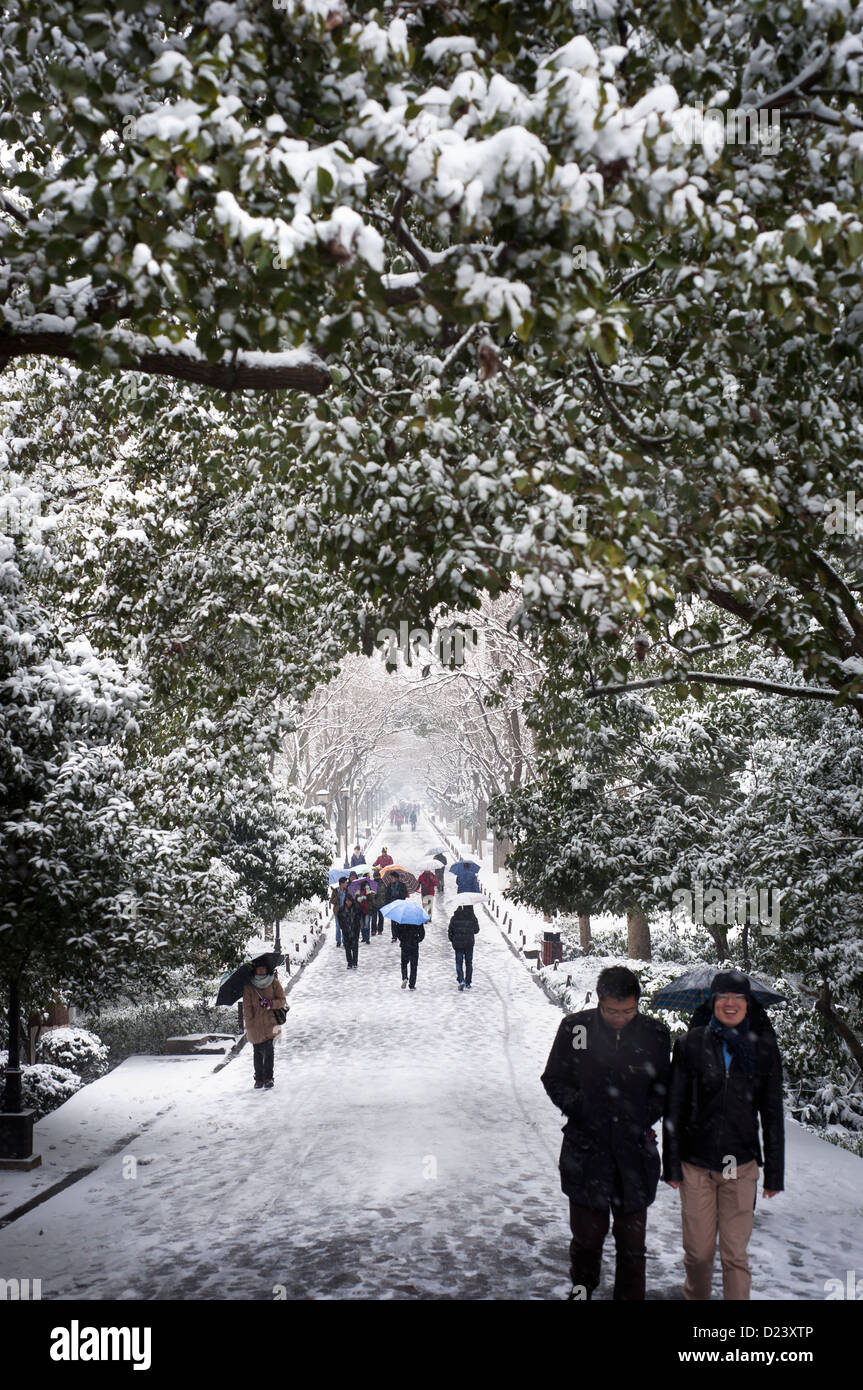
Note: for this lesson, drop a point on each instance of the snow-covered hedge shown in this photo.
(145, 1028)
(43, 1086)
(77, 1049)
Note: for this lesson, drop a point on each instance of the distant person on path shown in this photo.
(427, 883)
(608, 1072)
(462, 931)
(337, 897)
(409, 936)
(392, 814)
(725, 1074)
(383, 859)
(413, 820)
(260, 998)
(350, 924)
(357, 856)
(396, 891)
(465, 877)
(377, 902)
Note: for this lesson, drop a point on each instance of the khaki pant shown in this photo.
(711, 1202)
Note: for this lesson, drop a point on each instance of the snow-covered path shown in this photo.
(407, 1150)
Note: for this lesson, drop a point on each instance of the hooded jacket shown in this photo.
(462, 929)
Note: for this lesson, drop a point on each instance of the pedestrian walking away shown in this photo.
(427, 885)
(264, 1004)
(726, 1074)
(608, 1072)
(462, 931)
(396, 890)
(409, 935)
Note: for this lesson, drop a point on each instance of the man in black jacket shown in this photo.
(725, 1074)
(608, 1072)
(462, 931)
(409, 934)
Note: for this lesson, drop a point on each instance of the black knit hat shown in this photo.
(731, 982)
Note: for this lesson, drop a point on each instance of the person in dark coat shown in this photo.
(337, 897)
(409, 935)
(349, 920)
(608, 1072)
(377, 902)
(462, 931)
(726, 1073)
(396, 891)
(357, 856)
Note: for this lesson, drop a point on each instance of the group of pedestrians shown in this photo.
(610, 1073)
(359, 918)
(405, 813)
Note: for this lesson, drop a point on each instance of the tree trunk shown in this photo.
(638, 935)
(584, 930)
(824, 1007)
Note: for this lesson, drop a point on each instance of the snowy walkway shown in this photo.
(100, 1119)
(407, 1150)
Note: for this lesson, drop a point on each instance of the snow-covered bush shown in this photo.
(43, 1086)
(75, 1048)
(145, 1029)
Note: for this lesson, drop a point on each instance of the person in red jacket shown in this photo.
(427, 884)
(383, 859)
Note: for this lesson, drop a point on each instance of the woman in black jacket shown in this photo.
(726, 1074)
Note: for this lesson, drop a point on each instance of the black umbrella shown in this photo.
(234, 982)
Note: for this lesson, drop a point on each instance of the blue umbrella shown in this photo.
(692, 989)
(460, 864)
(403, 910)
(336, 874)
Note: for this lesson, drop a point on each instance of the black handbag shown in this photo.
(280, 1015)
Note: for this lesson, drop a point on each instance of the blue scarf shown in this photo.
(736, 1040)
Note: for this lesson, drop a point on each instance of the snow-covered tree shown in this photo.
(526, 320)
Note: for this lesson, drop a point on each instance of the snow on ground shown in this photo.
(407, 1150)
(100, 1118)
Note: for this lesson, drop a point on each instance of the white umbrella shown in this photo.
(466, 899)
(431, 864)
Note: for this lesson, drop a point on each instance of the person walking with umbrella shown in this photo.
(466, 879)
(462, 931)
(396, 892)
(726, 1074)
(263, 999)
(427, 886)
(407, 920)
